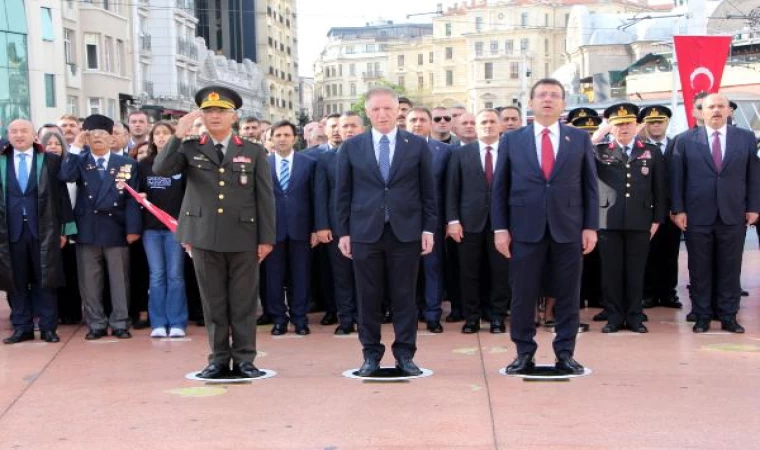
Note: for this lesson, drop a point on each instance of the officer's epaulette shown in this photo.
(192, 137)
(250, 139)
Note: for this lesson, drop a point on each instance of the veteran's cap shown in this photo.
(218, 97)
(98, 122)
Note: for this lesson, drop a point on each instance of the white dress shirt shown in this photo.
(278, 164)
(494, 154)
(664, 143)
(538, 130)
(16, 160)
(376, 135)
(225, 143)
(722, 130)
(106, 157)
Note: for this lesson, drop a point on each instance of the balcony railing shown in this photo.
(145, 43)
(371, 75)
(184, 90)
(187, 5)
(148, 87)
(187, 48)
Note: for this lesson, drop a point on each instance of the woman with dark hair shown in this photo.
(167, 303)
(69, 301)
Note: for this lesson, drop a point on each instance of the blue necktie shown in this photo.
(101, 167)
(23, 172)
(284, 174)
(384, 157)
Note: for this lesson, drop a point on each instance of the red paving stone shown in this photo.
(669, 389)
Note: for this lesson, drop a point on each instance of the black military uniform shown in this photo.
(227, 213)
(632, 190)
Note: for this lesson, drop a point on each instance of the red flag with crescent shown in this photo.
(163, 216)
(701, 60)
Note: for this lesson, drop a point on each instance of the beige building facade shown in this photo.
(277, 53)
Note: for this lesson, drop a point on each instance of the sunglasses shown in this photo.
(438, 119)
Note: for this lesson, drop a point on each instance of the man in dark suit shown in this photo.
(419, 122)
(228, 220)
(386, 214)
(546, 205)
(290, 260)
(33, 228)
(632, 205)
(715, 179)
(468, 215)
(107, 221)
(325, 217)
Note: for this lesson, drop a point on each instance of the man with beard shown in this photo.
(250, 128)
(404, 106)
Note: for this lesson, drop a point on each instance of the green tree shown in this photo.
(358, 106)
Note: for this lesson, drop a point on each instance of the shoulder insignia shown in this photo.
(251, 140)
(193, 137)
(236, 140)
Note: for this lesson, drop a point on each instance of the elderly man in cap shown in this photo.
(632, 204)
(107, 220)
(228, 220)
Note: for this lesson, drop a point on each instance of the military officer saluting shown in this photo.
(632, 204)
(228, 220)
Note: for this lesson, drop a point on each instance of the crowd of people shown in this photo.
(475, 208)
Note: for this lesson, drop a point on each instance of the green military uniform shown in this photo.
(227, 211)
(632, 196)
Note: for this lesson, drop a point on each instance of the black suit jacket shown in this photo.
(468, 196)
(324, 191)
(362, 194)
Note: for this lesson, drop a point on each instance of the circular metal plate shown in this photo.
(388, 374)
(546, 373)
(194, 376)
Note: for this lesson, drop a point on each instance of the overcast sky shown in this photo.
(316, 17)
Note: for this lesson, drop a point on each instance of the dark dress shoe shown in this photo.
(498, 327)
(121, 333)
(264, 319)
(567, 365)
(329, 319)
(141, 324)
(601, 317)
(50, 336)
(644, 317)
(19, 336)
(279, 329)
(638, 328)
(648, 302)
(702, 325)
(95, 334)
(368, 368)
(302, 330)
(731, 325)
(434, 326)
(388, 317)
(522, 365)
(408, 367)
(671, 302)
(200, 322)
(745, 293)
(215, 371)
(470, 327)
(342, 330)
(246, 370)
(691, 317)
(610, 328)
(421, 317)
(454, 317)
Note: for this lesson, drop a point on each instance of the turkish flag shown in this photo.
(701, 60)
(161, 215)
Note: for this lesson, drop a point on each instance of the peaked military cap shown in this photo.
(590, 123)
(218, 97)
(621, 113)
(579, 113)
(654, 113)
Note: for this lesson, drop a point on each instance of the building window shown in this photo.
(449, 52)
(120, 57)
(401, 60)
(369, 69)
(69, 45)
(111, 108)
(567, 19)
(524, 19)
(432, 79)
(420, 82)
(494, 47)
(47, 24)
(93, 105)
(91, 44)
(370, 48)
(352, 69)
(514, 70)
(524, 45)
(50, 90)
(109, 54)
(448, 29)
(420, 59)
(72, 105)
(509, 47)
(478, 49)
(430, 58)
(478, 24)
(546, 69)
(401, 81)
(546, 20)
(449, 77)
(377, 69)
(340, 89)
(349, 49)
(353, 88)
(489, 105)
(489, 71)
(546, 47)
(107, 5)
(340, 70)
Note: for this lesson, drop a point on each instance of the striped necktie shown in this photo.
(284, 174)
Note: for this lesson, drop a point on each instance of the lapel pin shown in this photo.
(567, 138)
(406, 140)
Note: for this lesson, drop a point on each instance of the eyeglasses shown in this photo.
(551, 95)
(439, 118)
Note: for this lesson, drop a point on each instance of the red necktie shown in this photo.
(547, 154)
(489, 166)
(716, 153)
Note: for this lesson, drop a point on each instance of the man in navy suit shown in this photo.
(325, 217)
(290, 260)
(108, 219)
(386, 215)
(715, 181)
(419, 121)
(546, 205)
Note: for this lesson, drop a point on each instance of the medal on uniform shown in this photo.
(645, 170)
(243, 179)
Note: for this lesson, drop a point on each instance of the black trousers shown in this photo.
(344, 288)
(591, 283)
(472, 249)
(451, 281)
(623, 256)
(194, 307)
(29, 297)
(715, 266)
(398, 263)
(322, 291)
(661, 275)
(529, 261)
(69, 300)
(139, 280)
